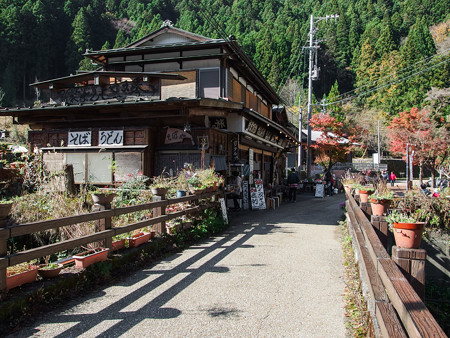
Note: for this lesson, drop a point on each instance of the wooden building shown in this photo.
(170, 98)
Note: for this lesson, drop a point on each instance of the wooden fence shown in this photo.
(104, 232)
(395, 307)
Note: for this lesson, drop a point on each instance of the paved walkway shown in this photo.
(274, 273)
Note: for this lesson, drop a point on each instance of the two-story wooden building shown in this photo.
(170, 98)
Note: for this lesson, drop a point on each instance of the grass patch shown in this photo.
(359, 323)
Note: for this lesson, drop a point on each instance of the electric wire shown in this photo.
(414, 65)
(388, 83)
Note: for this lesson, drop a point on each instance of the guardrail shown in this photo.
(104, 231)
(396, 309)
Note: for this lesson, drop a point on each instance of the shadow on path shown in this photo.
(246, 224)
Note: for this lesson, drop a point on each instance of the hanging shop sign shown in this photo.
(174, 135)
(79, 138)
(234, 150)
(110, 138)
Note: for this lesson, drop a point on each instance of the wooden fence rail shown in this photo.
(396, 309)
(104, 234)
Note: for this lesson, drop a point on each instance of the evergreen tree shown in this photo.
(335, 109)
(385, 43)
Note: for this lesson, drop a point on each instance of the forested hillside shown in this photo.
(372, 43)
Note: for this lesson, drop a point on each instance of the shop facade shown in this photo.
(171, 98)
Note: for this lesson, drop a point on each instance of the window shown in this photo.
(209, 83)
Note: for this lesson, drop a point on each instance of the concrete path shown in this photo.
(274, 273)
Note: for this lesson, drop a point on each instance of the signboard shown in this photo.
(245, 195)
(320, 190)
(257, 195)
(175, 135)
(235, 150)
(218, 122)
(79, 138)
(110, 138)
(224, 210)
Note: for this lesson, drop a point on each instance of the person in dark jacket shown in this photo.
(292, 182)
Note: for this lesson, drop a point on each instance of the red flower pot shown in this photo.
(90, 257)
(379, 207)
(408, 235)
(118, 245)
(138, 239)
(22, 278)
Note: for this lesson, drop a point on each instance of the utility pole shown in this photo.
(379, 152)
(300, 119)
(407, 167)
(312, 50)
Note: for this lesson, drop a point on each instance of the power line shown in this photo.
(394, 73)
(286, 78)
(389, 83)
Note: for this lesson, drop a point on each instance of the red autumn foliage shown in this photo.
(335, 141)
(430, 143)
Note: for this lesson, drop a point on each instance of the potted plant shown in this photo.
(118, 241)
(20, 274)
(138, 239)
(50, 270)
(103, 196)
(195, 185)
(406, 228)
(5, 208)
(381, 199)
(84, 259)
(161, 184)
(364, 192)
(349, 180)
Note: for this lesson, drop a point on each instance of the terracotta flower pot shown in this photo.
(138, 239)
(152, 234)
(22, 278)
(90, 257)
(5, 209)
(49, 273)
(379, 207)
(118, 245)
(364, 196)
(408, 235)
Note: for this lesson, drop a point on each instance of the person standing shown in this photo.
(392, 178)
(292, 182)
(385, 176)
(237, 185)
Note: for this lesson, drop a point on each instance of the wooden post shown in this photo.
(103, 224)
(412, 264)
(366, 208)
(381, 228)
(160, 227)
(3, 238)
(69, 180)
